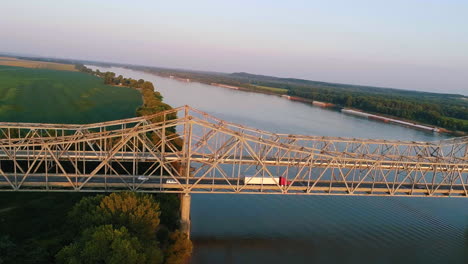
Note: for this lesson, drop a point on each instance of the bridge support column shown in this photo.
(185, 213)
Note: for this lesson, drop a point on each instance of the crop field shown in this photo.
(53, 96)
(8, 61)
(271, 89)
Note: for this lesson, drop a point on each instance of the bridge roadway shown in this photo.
(105, 183)
(247, 160)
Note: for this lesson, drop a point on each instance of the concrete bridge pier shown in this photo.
(185, 199)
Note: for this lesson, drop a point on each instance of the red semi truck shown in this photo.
(284, 181)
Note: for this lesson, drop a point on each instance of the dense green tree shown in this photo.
(7, 249)
(180, 249)
(85, 213)
(138, 212)
(120, 222)
(108, 245)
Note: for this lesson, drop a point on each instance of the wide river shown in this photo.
(312, 229)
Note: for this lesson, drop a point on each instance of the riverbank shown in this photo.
(391, 120)
(449, 111)
(308, 101)
(356, 112)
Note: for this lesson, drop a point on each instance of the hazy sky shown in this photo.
(409, 44)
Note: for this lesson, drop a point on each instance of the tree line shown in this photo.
(451, 117)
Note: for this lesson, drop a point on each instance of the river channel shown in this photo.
(312, 229)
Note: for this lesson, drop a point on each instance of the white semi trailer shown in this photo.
(261, 180)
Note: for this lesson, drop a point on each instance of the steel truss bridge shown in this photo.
(210, 155)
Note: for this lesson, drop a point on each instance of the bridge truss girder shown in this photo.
(209, 155)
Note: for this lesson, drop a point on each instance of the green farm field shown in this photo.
(53, 96)
(272, 89)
